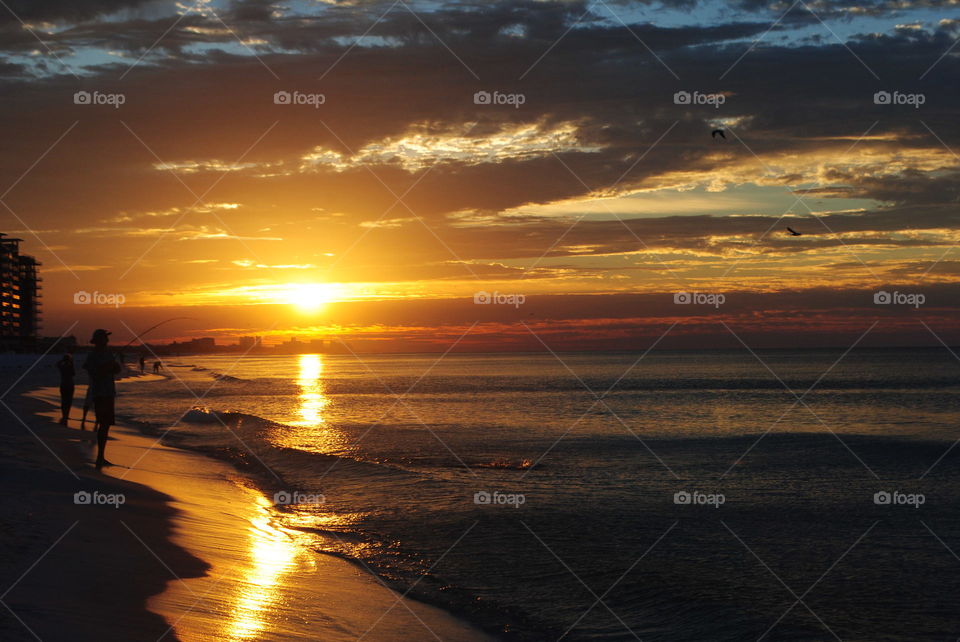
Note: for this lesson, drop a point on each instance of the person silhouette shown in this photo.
(143, 363)
(102, 365)
(67, 373)
(87, 402)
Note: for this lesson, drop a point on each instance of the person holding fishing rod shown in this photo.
(102, 365)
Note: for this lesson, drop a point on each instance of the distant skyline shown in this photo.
(365, 169)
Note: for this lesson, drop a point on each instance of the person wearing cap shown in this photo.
(101, 366)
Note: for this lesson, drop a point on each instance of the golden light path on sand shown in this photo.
(274, 559)
(272, 552)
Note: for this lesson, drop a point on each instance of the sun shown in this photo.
(311, 297)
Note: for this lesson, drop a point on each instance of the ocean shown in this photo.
(786, 495)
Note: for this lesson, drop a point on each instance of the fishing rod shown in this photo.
(154, 327)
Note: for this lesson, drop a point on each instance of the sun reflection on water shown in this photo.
(312, 399)
(314, 434)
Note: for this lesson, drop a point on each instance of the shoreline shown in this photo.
(75, 571)
(195, 551)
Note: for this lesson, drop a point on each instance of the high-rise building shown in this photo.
(249, 343)
(203, 344)
(19, 296)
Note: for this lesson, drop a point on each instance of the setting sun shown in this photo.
(310, 297)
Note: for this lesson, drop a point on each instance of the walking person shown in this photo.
(143, 363)
(101, 365)
(67, 373)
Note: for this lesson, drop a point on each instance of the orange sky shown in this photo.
(379, 211)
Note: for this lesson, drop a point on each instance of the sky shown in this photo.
(497, 175)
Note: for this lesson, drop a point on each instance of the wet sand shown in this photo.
(193, 553)
(74, 571)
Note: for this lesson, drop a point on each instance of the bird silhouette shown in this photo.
(714, 133)
(793, 232)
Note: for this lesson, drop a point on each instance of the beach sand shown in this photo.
(193, 552)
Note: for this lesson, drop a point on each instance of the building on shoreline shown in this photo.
(252, 345)
(19, 297)
(248, 344)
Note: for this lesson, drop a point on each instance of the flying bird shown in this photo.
(714, 133)
(793, 232)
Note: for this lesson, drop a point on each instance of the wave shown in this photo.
(506, 464)
(341, 536)
(200, 415)
(239, 437)
(219, 376)
(468, 389)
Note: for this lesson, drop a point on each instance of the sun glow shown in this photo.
(310, 297)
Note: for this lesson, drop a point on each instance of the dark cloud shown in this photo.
(202, 97)
(907, 187)
(252, 10)
(67, 10)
